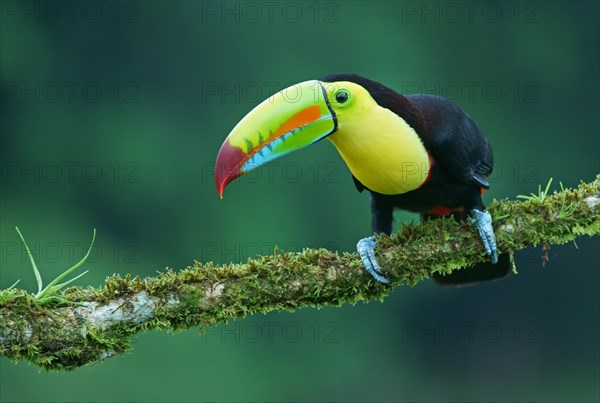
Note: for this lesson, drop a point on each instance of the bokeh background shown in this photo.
(112, 114)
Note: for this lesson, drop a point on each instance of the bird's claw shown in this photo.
(483, 221)
(366, 250)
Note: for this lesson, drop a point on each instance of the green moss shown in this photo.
(59, 336)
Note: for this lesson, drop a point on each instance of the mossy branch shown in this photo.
(97, 323)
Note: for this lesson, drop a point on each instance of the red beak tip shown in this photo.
(227, 166)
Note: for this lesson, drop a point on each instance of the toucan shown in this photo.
(420, 153)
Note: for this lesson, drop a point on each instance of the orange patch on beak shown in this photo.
(300, 119)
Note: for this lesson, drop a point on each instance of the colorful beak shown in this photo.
(290, 120)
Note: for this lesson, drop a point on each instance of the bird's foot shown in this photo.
(366, 250)
(483, 221)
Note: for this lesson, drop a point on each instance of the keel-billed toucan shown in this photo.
(420, 153)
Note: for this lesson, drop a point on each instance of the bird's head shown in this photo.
(336, 106)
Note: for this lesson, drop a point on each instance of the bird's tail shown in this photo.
(484, 271)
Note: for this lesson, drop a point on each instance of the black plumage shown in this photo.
(461, 158)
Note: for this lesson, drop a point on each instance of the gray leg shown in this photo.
(366, 250)
(483, 221)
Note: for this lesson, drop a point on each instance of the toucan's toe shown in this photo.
(483, 221)
(366, 250)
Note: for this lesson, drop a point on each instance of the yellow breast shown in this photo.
(382, 151)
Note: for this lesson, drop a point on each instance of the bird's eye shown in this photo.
(342, 97)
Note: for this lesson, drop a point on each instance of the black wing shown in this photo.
(454, 140)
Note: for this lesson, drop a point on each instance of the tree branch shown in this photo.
(99, 323)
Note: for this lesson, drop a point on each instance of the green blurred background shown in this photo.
(112, 114)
